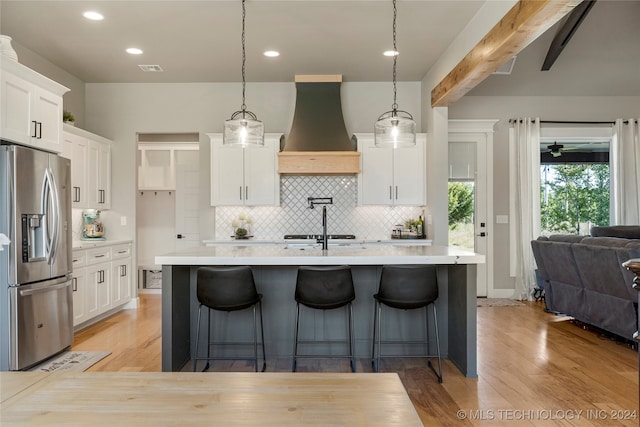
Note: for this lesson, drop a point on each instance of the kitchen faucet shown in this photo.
(324, 201)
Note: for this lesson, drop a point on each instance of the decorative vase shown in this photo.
(6, 50)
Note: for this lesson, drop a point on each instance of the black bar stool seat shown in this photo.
(407, 288)
(228, 289)
(324, 288)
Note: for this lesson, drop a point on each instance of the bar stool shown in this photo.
(324, 288)
(407, 288)
(228, 289)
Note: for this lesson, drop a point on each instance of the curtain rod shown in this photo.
(626, 122)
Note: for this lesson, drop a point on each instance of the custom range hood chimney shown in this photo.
(318, 143)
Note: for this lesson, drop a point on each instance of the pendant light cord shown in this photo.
(394, 107)
(244, 60)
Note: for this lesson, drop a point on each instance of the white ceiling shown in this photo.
(199, 41)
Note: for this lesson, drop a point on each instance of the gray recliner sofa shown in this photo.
(583, 276)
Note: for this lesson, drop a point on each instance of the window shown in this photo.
(574, 185)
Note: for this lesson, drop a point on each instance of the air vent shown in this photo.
(507, 67)
(151, 68)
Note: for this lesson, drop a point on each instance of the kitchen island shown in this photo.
(275, 269)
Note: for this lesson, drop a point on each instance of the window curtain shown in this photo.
(625, 173)
(524, 151)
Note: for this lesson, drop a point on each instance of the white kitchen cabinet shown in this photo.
(78, 149)
(98, 280)
(102, 280)
(391, 176)
(121, 275)
(245, 176)
(99, 174)
(31, 108)
(79, 287)
(90, 168)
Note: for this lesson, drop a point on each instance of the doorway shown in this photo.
(167, 201)
(471, 194)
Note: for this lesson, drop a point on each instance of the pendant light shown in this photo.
(243, 128)
(395, 128)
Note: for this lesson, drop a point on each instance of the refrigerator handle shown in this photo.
(55, 198)
(51, 219)
(46, 194)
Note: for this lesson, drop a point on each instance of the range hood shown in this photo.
(318, 143)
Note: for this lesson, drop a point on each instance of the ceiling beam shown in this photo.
(526, 20)
(564, 34)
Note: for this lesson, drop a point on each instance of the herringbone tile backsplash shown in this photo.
(293, 216)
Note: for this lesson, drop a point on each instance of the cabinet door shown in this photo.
(79, 171)
(227, 175)
(104, 176)
(48, 112)
(261, 183)
(99, 171)
(104, 288)
(376, 178)
(93, 282)
(408, 175)
(15, 111)
(79, 296)
(121, 282)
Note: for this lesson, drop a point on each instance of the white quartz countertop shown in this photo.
(88, 244)
(311, 241)
(348, 254)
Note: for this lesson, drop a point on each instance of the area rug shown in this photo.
(498, 302)
(77, 361)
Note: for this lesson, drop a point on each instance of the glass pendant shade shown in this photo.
(395, 129)
(245, 130)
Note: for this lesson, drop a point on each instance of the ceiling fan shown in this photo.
(555, 149)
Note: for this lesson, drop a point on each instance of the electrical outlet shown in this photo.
(123, 220)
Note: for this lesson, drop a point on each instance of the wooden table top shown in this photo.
(199, 399)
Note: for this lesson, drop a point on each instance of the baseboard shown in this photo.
(501, 293)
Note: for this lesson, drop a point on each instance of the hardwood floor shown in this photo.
(535, 369)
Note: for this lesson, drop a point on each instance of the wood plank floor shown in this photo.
(535, 369)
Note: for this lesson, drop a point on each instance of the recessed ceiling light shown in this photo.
(134, 51)
(391, 53)
(271, 53)
(94, 16)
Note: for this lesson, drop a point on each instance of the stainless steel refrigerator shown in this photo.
(36, 303)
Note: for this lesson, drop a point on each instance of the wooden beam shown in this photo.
(520, 26)
(564, 34)
(318, 78)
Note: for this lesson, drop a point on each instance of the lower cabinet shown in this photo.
(102, 280)
(79, 295)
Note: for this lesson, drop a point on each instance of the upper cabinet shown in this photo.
(31, 108)
(391, 176)
(245, 176)
(90, 168)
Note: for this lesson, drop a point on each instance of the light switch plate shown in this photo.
(123, 220)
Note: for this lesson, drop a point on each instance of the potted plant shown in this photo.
(68, 118)
(242, 227)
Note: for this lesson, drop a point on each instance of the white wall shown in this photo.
(580, 108)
